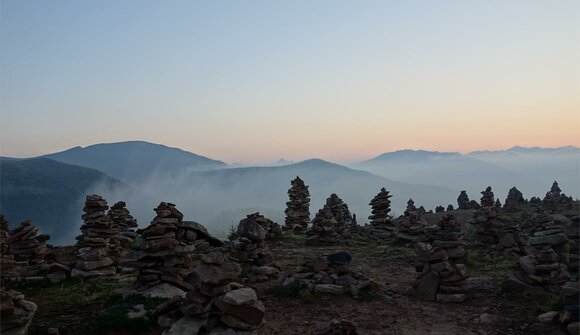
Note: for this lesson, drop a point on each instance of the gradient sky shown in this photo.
(253, 81)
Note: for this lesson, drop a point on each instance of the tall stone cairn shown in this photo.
(15, 312)
(487, 198)
(27, 244)
(297, 211)
(515, 200)
(442, 263)
(341, 213)
(463, 200)
(381, 225)
(6, 259)
(163, 261)
(324, 230)
(97, 242)
(125, 223)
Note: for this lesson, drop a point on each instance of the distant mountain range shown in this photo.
(49, 193)
(134, 161)
(50, 189)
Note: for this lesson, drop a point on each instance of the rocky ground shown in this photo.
(93, 306)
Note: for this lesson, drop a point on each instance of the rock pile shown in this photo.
(441, 264)
(439, 209)
(549, 235)
(249, 249)
(329, 275)
(504, 238)
(487, 198)
(16, 313)
(555, 199)
(163, 261)
(463, 200)
(341, 213)
(411, 224)
(273, 230)
(564, 321)
(297, 211)
(572, 231)
(515, 200)
(125, 223)
(98, 241)
(216, 305)
(381, 225)
(324, 230)
(6, 260)
(27, 244)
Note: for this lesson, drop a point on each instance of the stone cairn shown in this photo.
(249, 249)
(15, 312)
(439, 209)
(342, 215)
(503, 238)
(381, 225)
(515, 200)
(329, 275)
(125, 223)
(487, 198)
(555, 199)
(324, 230)
(217, 304)
(98, 241)
(297, 211)
(463, 200)
(27, 244)
(566, 320)
(273, 230)
(572, 231)
(6, 259)
(163, 261)
(545, 266)
(442, 263)
(411, 224)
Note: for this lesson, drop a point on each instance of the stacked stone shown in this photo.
(273, 230)
(497, 203)
(125, 223)
(504, 239)
(324, 230)
(15, 312)
(442, 263)
(450, 207)
(330, 275)
(341, 213)
(439, 209)
(381, 224)
(27, 244)
(249, 249)
(549, 235)
(463, 200)
(554, 198)
(98, 241)
(473, 204)
(297, 211)
(6, 259)
(411, 224)
(163, 261)
(572, 231)
(487, 198)
(515, 200)
(216, 305)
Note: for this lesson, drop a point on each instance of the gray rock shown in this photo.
(242, 296)
(217, 275)
(216, 258)
(187, 326)
(555, 239)
(329, 288)
(251, 229)
(548, 317)
(163, 290)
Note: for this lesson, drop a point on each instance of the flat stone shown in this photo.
(242, 296)
(163, 290)
(329, 288)
(92, 265)
(263, 271)
(548, 317)
(217, 275)
(555, 239)
(252, 314)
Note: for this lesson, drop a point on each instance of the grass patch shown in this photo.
(232, 232)
(291, 236)
(114, 317)
(480, 264)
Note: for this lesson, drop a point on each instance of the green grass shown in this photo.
(232, 232)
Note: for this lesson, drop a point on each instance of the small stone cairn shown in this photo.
(381, 225)
(15, 312)
(328, 275)
(98, 241)
(324, 230)
(411, 224)
(217, 304)
(297, 211)
(27, 244)
(342, 215)
(126, 224)
(163, 261)
(487, 198)
(515, 200)
(550, 235)
(273, 230)
(442, 263)
(249, 249)
(463, 200)
(503, 238)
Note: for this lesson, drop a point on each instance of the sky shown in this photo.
(254, 81)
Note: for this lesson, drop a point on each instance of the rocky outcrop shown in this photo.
(298, 207)
(327, 275)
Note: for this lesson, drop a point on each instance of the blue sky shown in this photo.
(254, 81)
